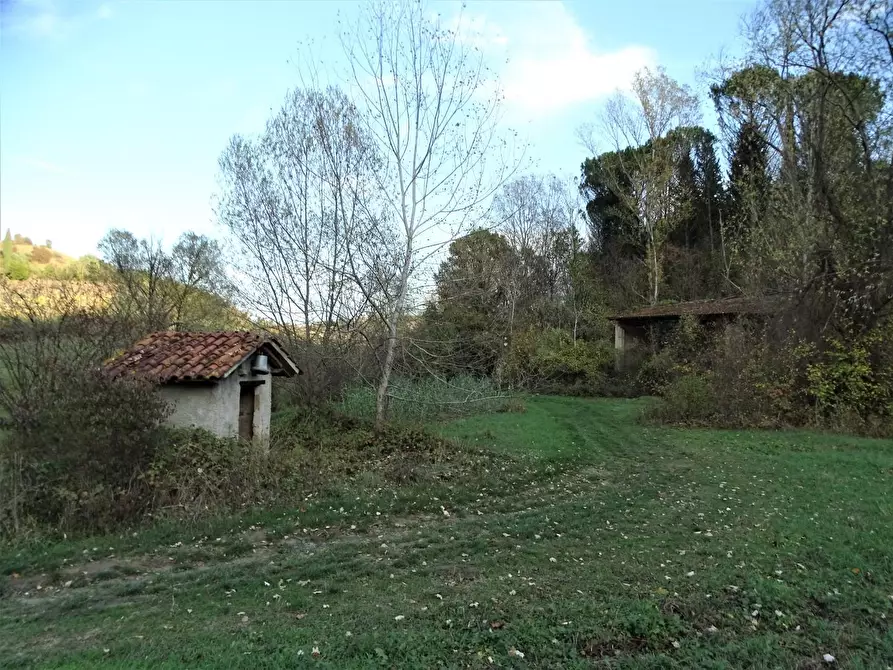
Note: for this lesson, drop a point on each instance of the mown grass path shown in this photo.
(602, 543)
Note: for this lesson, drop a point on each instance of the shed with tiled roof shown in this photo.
(220, 381)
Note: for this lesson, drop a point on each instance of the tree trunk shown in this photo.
(381, 397)
(654, 271)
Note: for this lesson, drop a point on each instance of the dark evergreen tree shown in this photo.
(748, 180)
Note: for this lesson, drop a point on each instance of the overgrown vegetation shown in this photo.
(84, 452)
(748, 376)
(22, 259)
(194, 474)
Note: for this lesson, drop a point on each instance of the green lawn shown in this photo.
(597, 542)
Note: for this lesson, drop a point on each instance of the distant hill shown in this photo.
(39, 281)
(23, 259)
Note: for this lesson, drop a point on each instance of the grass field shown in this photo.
(597, 542)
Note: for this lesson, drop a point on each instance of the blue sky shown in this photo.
(113, 114)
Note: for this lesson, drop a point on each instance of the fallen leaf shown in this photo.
(496, 625)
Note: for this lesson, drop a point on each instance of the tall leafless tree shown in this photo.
(536, 213)
(295, 204)
(431, 108)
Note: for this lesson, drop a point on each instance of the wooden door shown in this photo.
(246, 412)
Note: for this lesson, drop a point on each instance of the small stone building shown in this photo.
(220, 381)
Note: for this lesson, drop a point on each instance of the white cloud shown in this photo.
(552, 63)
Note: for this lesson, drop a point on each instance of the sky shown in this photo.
(113, 114)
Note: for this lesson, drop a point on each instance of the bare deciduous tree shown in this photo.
(431, 108)
(295, 204)
(159, 289)
(536, 214)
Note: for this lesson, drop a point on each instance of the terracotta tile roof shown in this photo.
(740, 305)
(170, 356)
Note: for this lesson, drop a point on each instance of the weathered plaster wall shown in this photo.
(215, 407)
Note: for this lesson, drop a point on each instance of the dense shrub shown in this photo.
(18, 267)
(79, 450)
(686, 400)
(552, 361)
(191, 473)
(680, 351)
(311, 450)
(74, 439)
(853, 380)
(753, 375)
(655, 373)
(41, 255)
(328, 449)
(194, 472)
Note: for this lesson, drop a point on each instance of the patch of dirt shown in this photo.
(83, 574)
(129, 566)
(255, 536)
(616, 647)
(460, 574)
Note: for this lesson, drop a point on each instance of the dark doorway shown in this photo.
(246, 411)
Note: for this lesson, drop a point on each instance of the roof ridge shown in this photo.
(170, 356)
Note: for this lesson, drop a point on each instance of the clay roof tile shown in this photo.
(181, 356)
